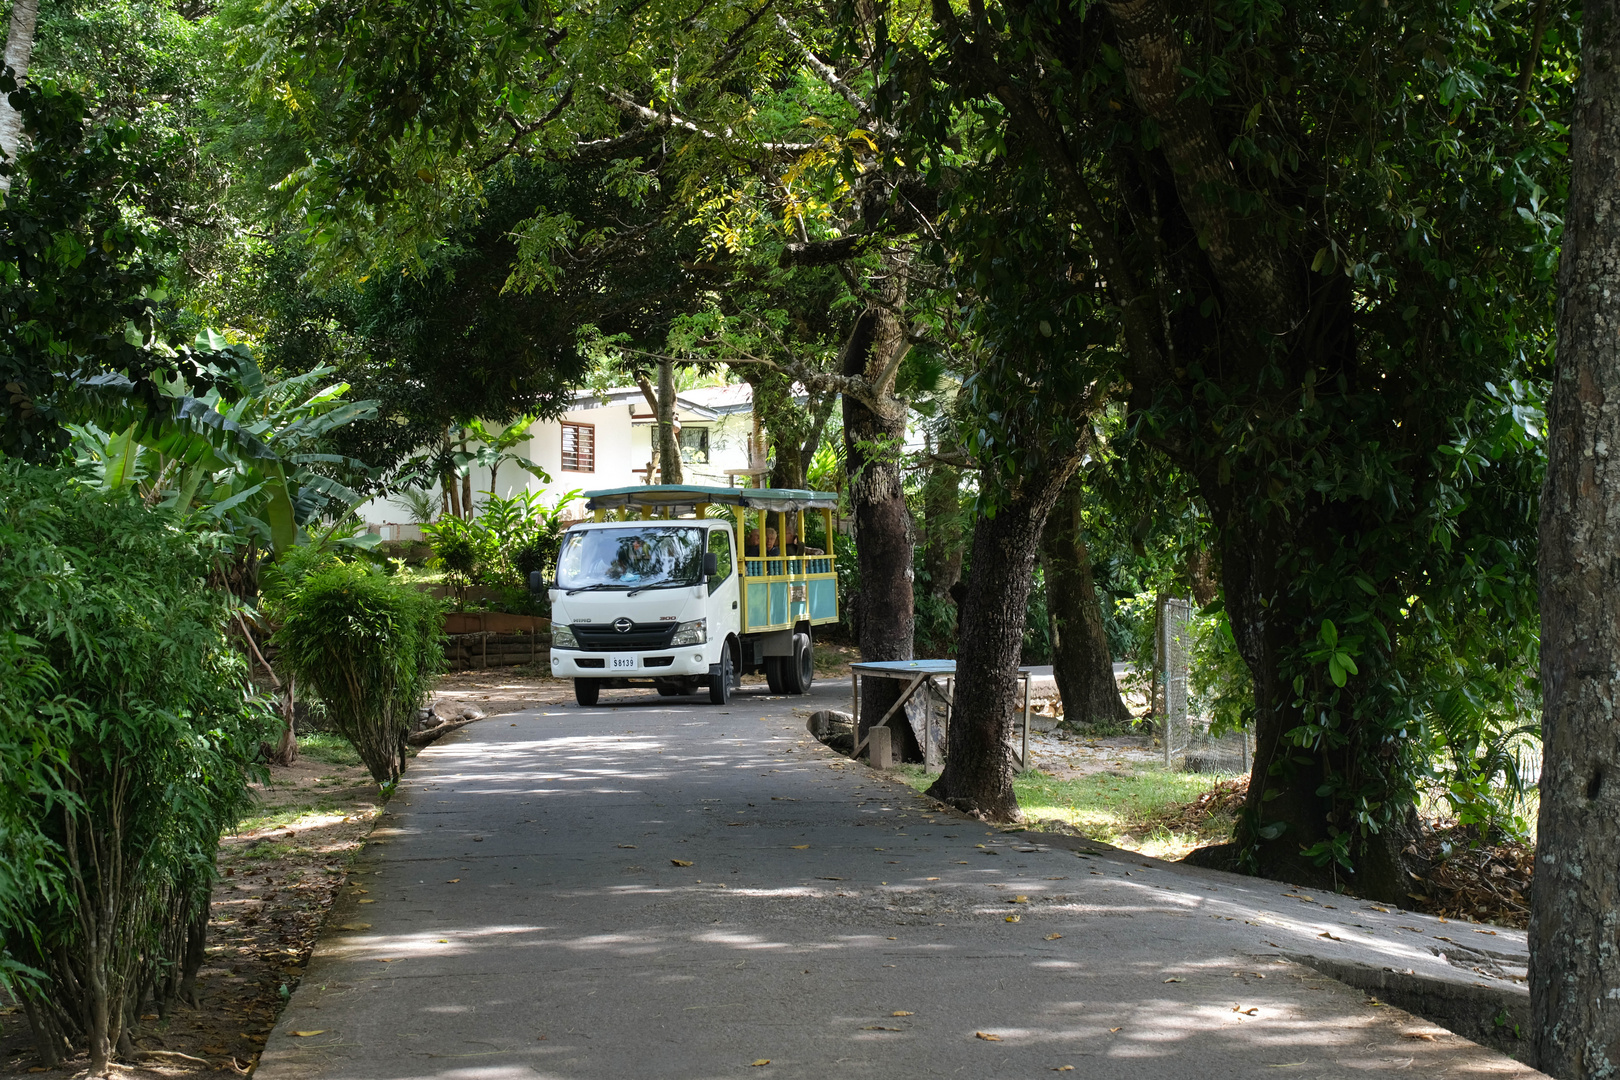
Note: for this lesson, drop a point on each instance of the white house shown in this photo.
(605, 441)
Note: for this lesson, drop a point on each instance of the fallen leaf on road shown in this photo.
(1245, 1012)
(452, 881)
(358, 891)
(1375, 907)
(322, 1031)
(900, 1012)
(757, 1064)
(1329, 936)
(1053, 937)
(389, 960)
(628, 847)
(1019, 900)
(368, 901)
(1490, 932)
(800, 847)
(1014, 918)
(355, 926)
(1297, 896)
(986, 1036)
(931, 879)
(1417, 1035)
(1063, 1068)
(680, 862)
(1112, 1030)
(1174, 979)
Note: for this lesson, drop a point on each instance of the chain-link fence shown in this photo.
(1187, 741)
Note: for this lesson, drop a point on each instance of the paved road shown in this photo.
(527, 911)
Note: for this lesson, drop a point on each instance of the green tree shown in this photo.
(1323, 237)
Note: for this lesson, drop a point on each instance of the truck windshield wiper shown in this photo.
(662, 585)
(594, 588)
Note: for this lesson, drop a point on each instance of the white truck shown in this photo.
(658, 589)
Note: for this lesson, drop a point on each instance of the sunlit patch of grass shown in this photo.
(328, 747)
(319, 805)
(1127, 810)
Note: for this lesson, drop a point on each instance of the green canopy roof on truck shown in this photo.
(678, 498)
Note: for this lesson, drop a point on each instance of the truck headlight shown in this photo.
(695, 632)
(563, 638)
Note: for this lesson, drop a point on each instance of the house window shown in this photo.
(695, 445)
(578, 448)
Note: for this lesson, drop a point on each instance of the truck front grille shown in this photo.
(596, 637)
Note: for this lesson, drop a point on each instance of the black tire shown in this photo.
(720, 681)
(586, 691)
(799, 671)
(773, 673)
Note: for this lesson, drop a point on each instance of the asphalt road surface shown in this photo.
(659, 887)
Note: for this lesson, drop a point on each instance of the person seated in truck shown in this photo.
(751, 549)
(633, 561)
(793, 547)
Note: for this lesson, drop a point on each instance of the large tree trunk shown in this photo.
(669, 442)
(19, 49)
(978, 774)
(1082, 663)
(874, 431)
(1574, 943)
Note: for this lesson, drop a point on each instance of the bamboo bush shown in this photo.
(367, 647)
(127, 729)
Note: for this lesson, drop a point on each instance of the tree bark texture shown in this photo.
(1575, 907)
(874, 431)
(669, 442)
(19, 49)
(978, 775)
(1082, 663)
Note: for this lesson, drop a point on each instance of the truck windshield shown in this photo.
(634, 557)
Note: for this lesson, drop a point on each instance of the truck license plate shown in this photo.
(622, 663)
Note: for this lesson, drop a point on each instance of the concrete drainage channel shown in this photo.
(1492, 1016)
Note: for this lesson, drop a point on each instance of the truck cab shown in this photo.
(686, 588)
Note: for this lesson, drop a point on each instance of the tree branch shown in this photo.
(824, 70)
(824, 252)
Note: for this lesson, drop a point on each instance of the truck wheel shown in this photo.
(586, 691)
(720, 681)
(800, 668)
(773, 673)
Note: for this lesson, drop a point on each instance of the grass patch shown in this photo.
(283, 816)
(329, 747)
(1140, 811)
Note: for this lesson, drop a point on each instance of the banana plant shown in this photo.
(250, 454)
(496, 448)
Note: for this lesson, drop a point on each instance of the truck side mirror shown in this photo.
(711, 564)
(537, 581)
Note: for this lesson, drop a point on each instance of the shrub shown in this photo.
(127, 728)
(367, 647)
(509, 538)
